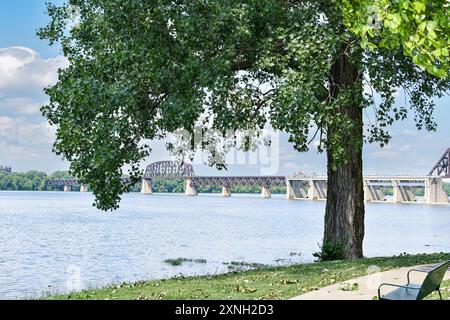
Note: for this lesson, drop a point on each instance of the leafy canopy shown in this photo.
(420, 27)
(142, 69)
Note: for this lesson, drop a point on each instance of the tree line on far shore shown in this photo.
(30, 181)
(447, 188)
(40, 181)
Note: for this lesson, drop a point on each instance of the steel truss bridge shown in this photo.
(442, 167)
(298, 187)
(169, 170)
(175, 170)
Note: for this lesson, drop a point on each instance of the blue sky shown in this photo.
(19, 20)
(28, 64)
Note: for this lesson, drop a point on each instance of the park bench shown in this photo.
(431, 283)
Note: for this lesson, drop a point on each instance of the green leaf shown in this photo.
(418, 6)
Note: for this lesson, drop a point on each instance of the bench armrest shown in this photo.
(416, 270)
(393, 285)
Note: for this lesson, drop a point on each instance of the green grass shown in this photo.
(445, 290)
(263, 283)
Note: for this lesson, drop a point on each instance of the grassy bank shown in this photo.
(263, 283)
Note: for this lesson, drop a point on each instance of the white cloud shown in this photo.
(405, 148)
(24, 72)
(409, 133)
(18, 131)
(20, 106)
(291, 166)
(25, 136)
(27, 146)
(389, 152)
(304, 168)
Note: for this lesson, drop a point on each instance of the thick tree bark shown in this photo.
(344, 217)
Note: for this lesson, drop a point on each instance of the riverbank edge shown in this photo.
(266, 283)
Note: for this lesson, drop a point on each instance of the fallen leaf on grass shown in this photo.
(284, 281)
(245, 289)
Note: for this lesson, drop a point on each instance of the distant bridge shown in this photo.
(176, 170)
(4, 169)
(375, 187)
(71, 183)
(298, 187)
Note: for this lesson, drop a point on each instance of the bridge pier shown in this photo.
(367, 192)
(402, 193)
(67, 188)
(317, 190)
(147, 187)
(434, 192)
(83, 188)
(191, 189)
(408, 194)
(295, 190)
(373, 192)
(290, 193)
(226, 191)
(398, 195)
(266, 193)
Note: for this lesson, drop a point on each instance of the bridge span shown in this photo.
(396, 189)
(376, 189)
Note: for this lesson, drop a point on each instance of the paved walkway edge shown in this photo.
(367, 286)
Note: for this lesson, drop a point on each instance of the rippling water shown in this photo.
(58, 241)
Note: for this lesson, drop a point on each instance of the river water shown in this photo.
(57, 242)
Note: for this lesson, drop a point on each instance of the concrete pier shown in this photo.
(402, 193)
(373, 193)
(266, 193)
(434, 192)
(296, 190)
(147, 187)
(397, 190)
(317, 190)
(367, 192)
(191, 189)
(83, 188)
(226, 191)
(67, 188)
(290, 193)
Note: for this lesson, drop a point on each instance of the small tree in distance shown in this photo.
(142, 69)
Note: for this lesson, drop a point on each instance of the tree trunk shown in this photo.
(344, 216)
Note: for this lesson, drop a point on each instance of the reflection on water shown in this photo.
(59, 242)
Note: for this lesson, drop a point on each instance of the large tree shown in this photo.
(142, 69)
